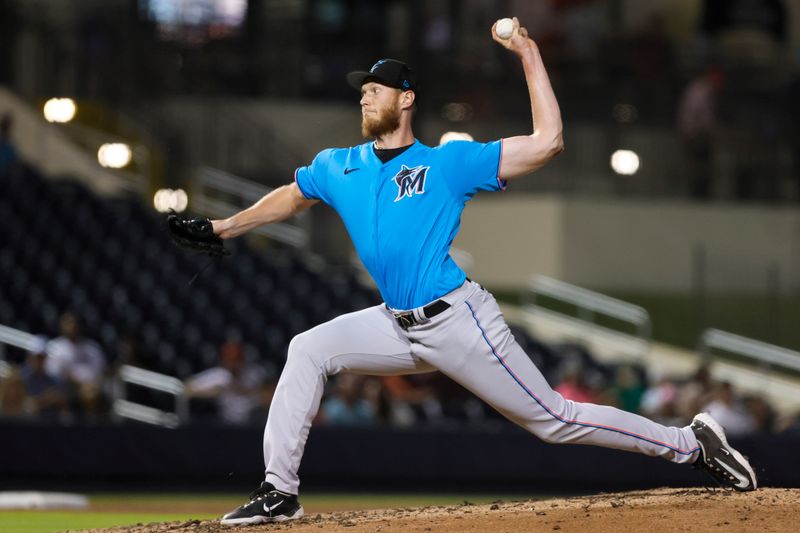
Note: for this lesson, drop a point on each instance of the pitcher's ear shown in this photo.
(409, 97)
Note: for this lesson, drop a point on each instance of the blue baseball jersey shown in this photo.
(403, 215)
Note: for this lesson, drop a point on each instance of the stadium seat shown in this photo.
(135, 288)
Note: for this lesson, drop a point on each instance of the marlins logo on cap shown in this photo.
(389, 72)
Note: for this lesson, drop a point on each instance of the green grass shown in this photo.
(309, 499)
(146, 498)
(50, 521)
(59, 520)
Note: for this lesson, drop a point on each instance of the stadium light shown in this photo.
(114, 155)
(61, 110)
(166, 199)
(455, 136)
(625, 162)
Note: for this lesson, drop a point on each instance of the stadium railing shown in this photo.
(220, 194)
(18, 339)
(589, 306)
(763, 354)
(122, 407)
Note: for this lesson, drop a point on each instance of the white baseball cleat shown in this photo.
(725, 464)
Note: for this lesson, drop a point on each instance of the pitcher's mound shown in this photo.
(652, 511)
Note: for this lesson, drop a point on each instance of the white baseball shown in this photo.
(504, 28)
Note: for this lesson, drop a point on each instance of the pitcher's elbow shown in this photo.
(558, 145)
(552, 150)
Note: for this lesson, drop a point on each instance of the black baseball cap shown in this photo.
(389, 72)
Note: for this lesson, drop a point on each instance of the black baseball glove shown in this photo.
(195, 234)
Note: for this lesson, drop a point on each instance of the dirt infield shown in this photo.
(667, 510)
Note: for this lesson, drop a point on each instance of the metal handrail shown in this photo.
(249, 192)
(231, 184)
(593, 302)
(125, 408)
(764, 353)
(121, 406)
(590, 304)
(150, 379)
(17, 338)
(146, 414)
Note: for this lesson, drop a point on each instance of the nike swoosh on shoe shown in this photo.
(743, 481)
(269, 509)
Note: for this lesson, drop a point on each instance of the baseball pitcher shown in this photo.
(401, 202)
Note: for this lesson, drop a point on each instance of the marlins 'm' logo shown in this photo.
(410, 181)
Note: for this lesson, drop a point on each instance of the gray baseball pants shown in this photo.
(471, 343)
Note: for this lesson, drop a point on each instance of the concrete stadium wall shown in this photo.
(512, 237)
(630, 244)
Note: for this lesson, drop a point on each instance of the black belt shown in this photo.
(406, 319)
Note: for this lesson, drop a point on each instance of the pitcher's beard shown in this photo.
(387, 121)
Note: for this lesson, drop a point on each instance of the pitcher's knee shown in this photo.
(553, 423)
(548, 430)
(305, 348)
(300, 347)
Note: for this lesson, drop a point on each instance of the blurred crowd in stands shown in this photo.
(727, 87)
(433, 398)
(69, 379)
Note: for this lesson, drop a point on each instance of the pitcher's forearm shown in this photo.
(545, 112)
(524, 154)
(277, 206)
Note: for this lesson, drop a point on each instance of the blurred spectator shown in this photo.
(411, 400)
(79, 363)
(762, 413)
(659, 402)
(573, 385)
(730, 412)
(12, 392)
(697, 124)
(377, 396)
(789, 424)
(629, 388)
(696, 393)
(242, 390)
(9, 160)
(346, 405)
(45, 395)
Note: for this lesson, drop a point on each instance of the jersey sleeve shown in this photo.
(476, 166)
(313, 179)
